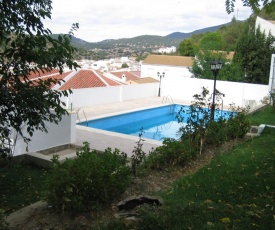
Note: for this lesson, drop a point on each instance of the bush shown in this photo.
(216, 132)
(3, 223)
(238, 123)
(171, 153)
(91, 180)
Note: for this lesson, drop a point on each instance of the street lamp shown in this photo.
(160, 76)
(215, 66)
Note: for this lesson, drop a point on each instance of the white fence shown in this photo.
(104, 95)
(238, 93)
(177, 88)
(58, 134)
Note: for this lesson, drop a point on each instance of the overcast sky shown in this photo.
(113, 19)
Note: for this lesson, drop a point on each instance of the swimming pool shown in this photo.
(157, 123)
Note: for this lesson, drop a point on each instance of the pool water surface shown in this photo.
(157, 123)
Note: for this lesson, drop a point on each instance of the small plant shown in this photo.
(171, 153)
(199, 116)
(3, 222)
(91, 180)
(238, 123)
(138, 154)
(216, 132)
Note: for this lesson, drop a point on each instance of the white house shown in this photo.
(167, 50)
(172, 66)
(266, 26)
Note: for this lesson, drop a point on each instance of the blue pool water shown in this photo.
(157, 123)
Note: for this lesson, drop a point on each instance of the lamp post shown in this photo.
(215, 66)
(160, 76)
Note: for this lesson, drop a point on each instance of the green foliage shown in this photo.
(234, 191)
(138, 154)
(199, 116)
(24, 41)
(3, 223)
(124, 65)
(216, 132)
(21, 186)
(91, 180)
(201, 65)
(187, 48)
(263, 116)
(253, 54)
(255, 5)
(171, 153)
(238, 123)
(211, 41)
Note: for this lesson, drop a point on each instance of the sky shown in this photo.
(114, 19)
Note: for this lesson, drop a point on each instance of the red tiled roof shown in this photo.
(54, 74)
(58, 77)
(87, 79)
(129, 75)
(42, 73)
(109, 81)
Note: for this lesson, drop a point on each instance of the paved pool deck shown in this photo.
(100, 140)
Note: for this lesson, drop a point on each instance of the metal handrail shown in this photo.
(83, 114)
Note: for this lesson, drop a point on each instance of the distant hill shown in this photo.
(172, 39)
(179, 35)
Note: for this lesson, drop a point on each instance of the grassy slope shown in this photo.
(235, 191)
(21, 186)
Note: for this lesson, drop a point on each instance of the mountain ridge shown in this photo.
(172, 39)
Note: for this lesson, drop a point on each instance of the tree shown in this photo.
(124, 65)
(187, 48)
(255, 5)
(253, 53)
(24, 40)
(201, 64)
(211, 41)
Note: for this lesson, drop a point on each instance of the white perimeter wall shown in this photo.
(170, 71)
(58, 134)
(104, 95)
(177, 87)
(238, 93)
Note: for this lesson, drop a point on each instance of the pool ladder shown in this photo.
(169, 99)
(78, 118)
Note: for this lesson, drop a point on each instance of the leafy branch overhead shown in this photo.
(26, 49)
(255, 5)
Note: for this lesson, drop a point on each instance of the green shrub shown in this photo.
(3, 223)
(138, 155)
(171, 153)
(238, 124)
(91, 180)
(216, 133)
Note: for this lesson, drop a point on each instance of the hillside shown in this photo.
(136, 46)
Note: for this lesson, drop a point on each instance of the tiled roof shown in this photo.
(42, 73)
(87, 79)
(136, 73)
(129, 75)
(57, 77)
(34, 77)
(168, 60)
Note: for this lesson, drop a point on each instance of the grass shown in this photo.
(235, 191)
(20, 186)
(263, 116)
